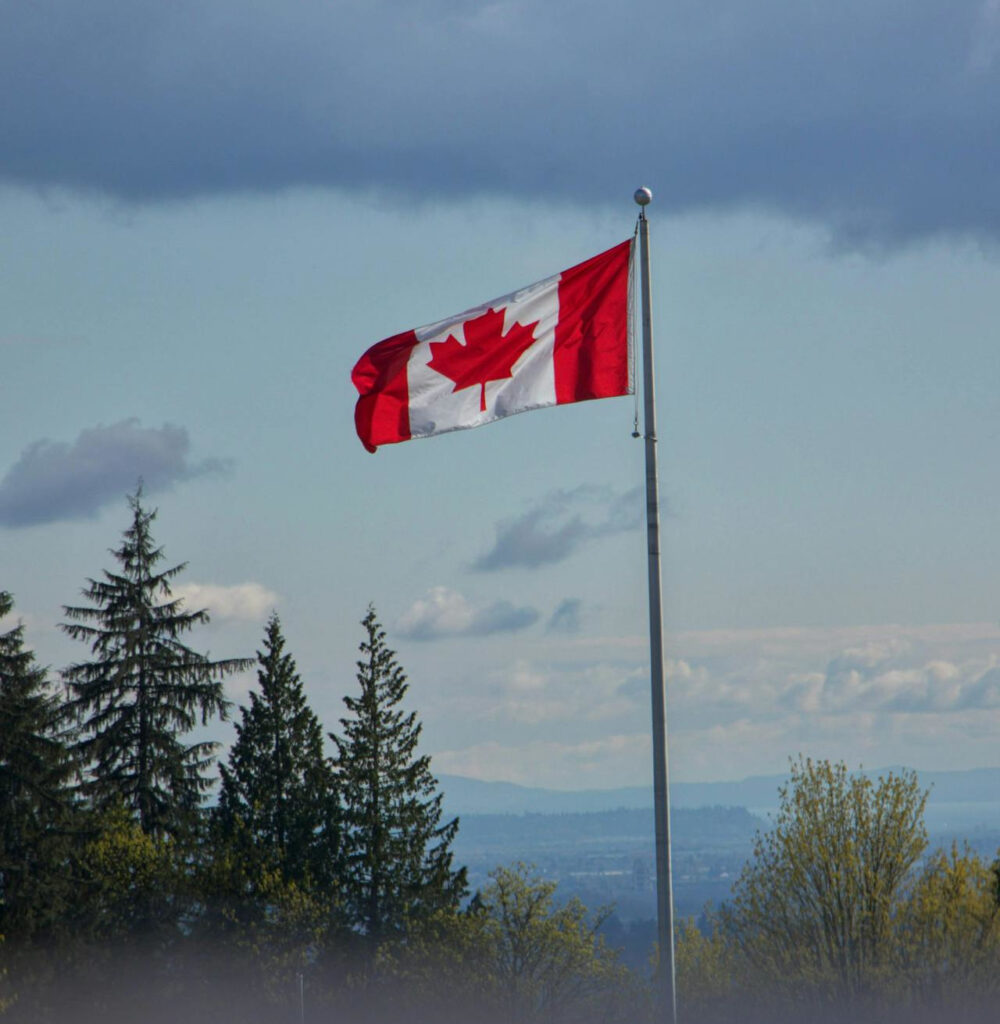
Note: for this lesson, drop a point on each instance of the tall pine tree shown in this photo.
(398, 853)
(278, 803)
(36, 803)
(144, 688)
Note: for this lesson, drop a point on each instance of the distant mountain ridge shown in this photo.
(598, 843)
(463, 795)
(693, 828)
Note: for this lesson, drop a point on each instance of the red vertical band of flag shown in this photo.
(382, 415)
(591, 349)
(578, 350)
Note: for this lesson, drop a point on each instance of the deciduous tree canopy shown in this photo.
(816, 906)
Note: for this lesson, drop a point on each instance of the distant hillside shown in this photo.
(607, 857)
(471, 796)
(960, 798)
(692, 828)
(598, 844)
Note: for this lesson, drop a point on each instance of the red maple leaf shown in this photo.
(488, 354)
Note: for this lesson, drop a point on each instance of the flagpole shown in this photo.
(665, 990)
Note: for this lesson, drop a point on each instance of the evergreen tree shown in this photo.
(398, 854)
(144, 687)
(35, 789)
(277, 803)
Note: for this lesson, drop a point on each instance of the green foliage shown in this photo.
(706, 970)
(549, 961)
(7, 997)
(949, 934)
(132, 886)
(259, 921)
(144, 688)
(277, 803)
(271, 884)
(813, 913)
(398, 861)
(286, 939)
(36, 804)
(516, 956)
(443, 966)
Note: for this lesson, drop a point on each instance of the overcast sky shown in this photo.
(209, 210)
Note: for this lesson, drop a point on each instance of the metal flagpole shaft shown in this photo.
(661, 788)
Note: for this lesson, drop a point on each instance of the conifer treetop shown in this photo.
(277, 795)
(143, 687)
(398, 852)
(37, 801)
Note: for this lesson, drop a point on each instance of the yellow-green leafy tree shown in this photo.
(133, 887)
(706, 970)
(813, 916)
(261, 928)
(949, 935)
(517, 956)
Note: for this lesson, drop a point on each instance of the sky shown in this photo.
(209, 210)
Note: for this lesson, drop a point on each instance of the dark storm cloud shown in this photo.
(566, 617)
(55, 480)
(502, 617)
(876, 117)
(559, 525)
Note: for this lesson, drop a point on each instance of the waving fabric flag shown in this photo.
(564, 339)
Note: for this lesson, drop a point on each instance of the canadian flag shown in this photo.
(564, 339)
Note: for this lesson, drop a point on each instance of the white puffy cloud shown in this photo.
(879, 695)
(739, 702)
(446, 613)
(243, 602)
(577, 698)
(839, 670)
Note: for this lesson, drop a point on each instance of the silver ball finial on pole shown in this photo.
(643, 196)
